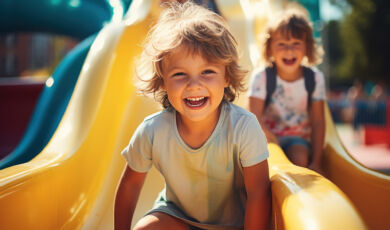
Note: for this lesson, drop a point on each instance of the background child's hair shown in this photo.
(202, 32)
(293, 22)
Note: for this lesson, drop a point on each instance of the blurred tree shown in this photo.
(364, 40)
(332, 45)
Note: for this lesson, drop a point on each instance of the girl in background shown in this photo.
(293, 114)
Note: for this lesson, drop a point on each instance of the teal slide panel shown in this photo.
(50, 107)
(75, 18)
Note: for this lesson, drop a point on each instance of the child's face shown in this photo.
(288, 52)
(195, 86)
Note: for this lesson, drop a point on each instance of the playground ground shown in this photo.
(372, 156)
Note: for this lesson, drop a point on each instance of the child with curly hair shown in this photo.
(288, 96)
(211, 153)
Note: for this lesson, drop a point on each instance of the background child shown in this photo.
(211, 153)
(289, 118)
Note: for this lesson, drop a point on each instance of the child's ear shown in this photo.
(227, 81)
(162, 86)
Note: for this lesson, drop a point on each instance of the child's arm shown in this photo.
(256, 106)
(258, 191)
(317, 121)
(126, 197)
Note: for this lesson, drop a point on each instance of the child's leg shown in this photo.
(298, 155)
(296, 149)
(160, 220)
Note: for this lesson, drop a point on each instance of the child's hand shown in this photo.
(316, 167)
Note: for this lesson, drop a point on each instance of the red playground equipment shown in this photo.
(378, 134)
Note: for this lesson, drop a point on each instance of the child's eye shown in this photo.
(178, 74)
(297, 45)
(208, 71)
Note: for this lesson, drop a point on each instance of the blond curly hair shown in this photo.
(293, 22)
(202, 32)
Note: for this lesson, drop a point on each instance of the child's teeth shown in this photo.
(195, 98)
(195, 101)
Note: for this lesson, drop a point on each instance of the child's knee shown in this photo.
(298, 155)
(147, 223)
(301, 161)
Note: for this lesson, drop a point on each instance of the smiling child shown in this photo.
(211, 153)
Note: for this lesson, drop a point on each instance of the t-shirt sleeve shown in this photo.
(253, 147)
(257, 85)
(138, 154)
(319, 90)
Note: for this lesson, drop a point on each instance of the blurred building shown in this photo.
(31, 54)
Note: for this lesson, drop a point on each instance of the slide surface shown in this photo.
(367, 189)
(71, 183)
(47, 16)
(50, 106)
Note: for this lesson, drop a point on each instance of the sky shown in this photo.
(329, 11)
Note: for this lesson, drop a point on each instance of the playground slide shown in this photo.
(71, 183)
(78, 21)
(50, 107)
(367, 189)
(76, 173)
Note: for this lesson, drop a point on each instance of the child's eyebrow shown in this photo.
(213, 62)
(174, 70)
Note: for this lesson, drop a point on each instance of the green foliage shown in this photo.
(364, 36)
(333, 47)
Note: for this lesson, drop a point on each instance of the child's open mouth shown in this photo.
(195, 101)
(289, 61)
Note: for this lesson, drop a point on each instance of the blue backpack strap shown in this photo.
(310, 84)
(270, 73)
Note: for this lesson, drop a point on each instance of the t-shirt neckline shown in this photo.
(289, 82)
(213, 134)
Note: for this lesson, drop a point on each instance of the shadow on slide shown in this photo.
(71, 183)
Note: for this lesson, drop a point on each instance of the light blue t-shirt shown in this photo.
(204, 186)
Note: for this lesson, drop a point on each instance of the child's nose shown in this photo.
(194, 82)
(289, 48)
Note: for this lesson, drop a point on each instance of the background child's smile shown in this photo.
(290, 61)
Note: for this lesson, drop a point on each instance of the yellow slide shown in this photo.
(369, 190)
(71, 183)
